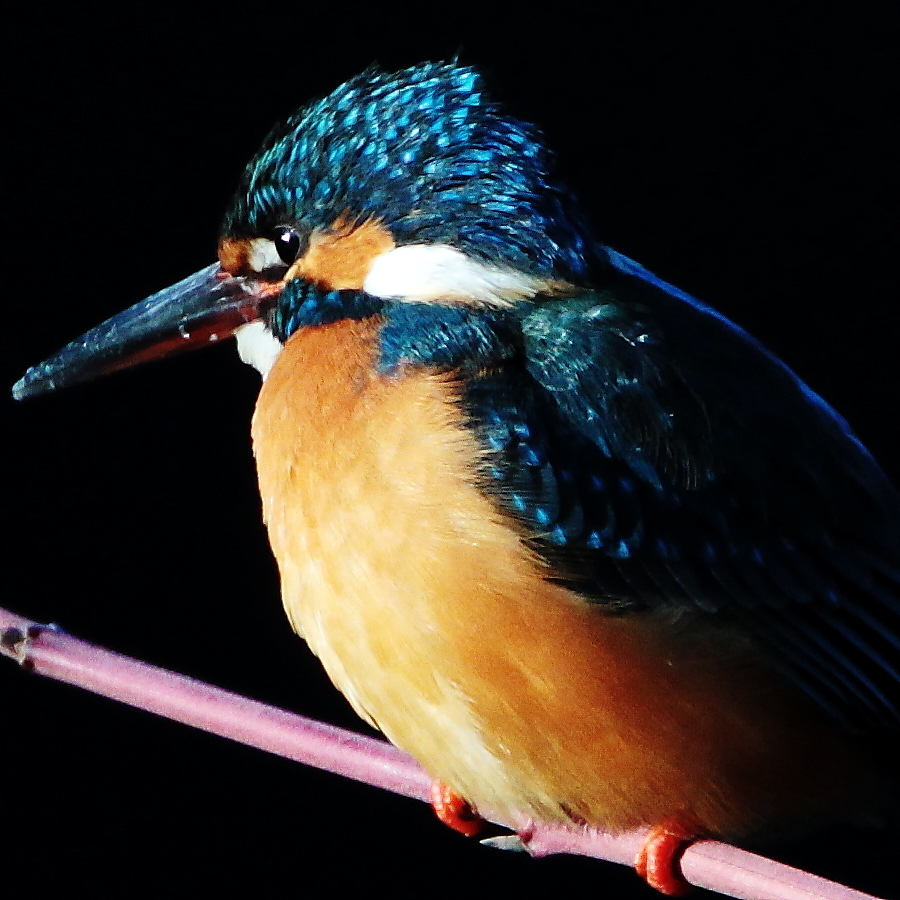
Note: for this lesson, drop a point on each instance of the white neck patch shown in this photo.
(439, 273)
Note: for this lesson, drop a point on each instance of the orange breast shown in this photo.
(436, 621)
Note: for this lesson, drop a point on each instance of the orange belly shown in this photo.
(436, 621)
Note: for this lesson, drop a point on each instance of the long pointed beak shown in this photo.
(206, 306)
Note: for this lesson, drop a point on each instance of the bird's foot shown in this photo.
(658, 861)
(455, 812)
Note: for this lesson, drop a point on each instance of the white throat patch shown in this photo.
(258, 347)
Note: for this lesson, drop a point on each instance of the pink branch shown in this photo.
(709, 864)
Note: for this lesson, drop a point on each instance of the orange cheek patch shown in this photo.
(234, 256)
(340, 259)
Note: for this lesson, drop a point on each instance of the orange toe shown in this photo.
(658, 861)
(455, 812)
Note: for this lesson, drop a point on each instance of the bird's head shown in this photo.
(407, 187)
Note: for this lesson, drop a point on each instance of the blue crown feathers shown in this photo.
(427, 153)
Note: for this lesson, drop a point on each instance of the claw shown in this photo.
(506, 842)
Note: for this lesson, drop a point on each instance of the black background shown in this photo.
(746, 154)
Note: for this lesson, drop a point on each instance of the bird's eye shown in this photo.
(287, 243)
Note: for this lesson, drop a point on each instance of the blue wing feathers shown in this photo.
(660, 456)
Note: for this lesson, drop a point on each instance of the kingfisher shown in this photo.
(568, 536)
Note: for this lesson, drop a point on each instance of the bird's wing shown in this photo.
(661, 457)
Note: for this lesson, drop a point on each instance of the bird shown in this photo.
(567, 535)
